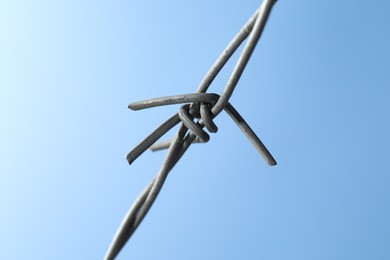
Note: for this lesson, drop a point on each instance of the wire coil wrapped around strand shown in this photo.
(196, 113)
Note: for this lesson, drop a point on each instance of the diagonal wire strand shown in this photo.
(201, 106)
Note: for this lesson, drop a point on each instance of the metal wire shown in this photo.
(202, 107)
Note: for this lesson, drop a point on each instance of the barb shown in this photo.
(197, 112)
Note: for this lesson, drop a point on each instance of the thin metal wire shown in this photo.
(202, 107)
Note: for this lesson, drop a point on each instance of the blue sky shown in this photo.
(316, 91)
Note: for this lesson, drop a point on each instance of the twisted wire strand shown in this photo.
(202, 107)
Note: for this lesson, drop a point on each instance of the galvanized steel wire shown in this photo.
(197, 112)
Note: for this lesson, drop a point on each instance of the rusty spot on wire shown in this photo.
(196, 113)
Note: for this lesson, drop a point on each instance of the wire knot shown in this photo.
(202, 112)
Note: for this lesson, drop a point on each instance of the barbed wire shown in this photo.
(202, 107)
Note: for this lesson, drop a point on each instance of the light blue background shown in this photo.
(316, 91)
